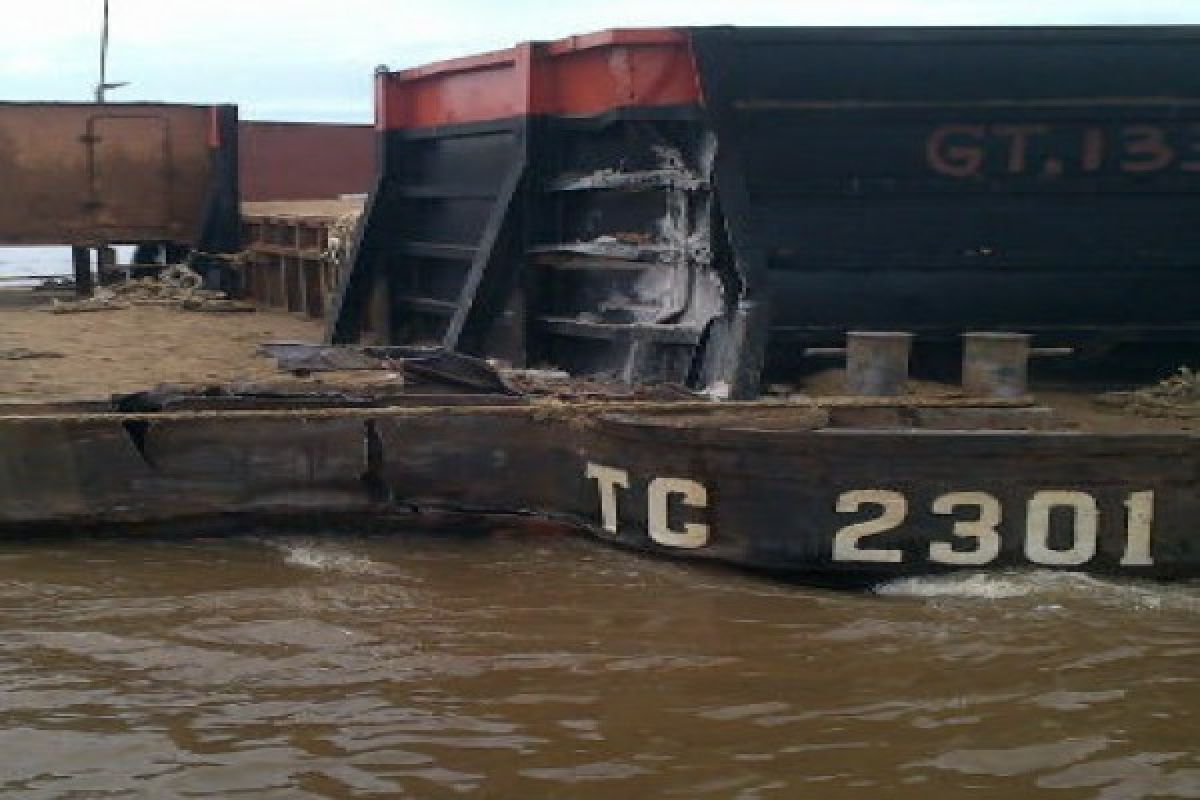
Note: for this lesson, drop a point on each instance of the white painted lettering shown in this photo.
(1140, 506)
(982, 529)
(608, 479)
(846, 541)
(692, 495)
(1085, 520)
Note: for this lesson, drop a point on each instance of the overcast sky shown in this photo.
(312, 59)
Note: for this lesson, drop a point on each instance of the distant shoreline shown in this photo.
(18, 261)
(42, 261)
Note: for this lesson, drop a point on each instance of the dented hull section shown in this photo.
(701, 205)
(795, 499)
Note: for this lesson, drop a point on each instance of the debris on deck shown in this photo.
(1175, 396)
(178, 286)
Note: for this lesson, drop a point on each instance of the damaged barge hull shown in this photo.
(797, 499)
(696, 205)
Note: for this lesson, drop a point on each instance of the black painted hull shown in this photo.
(832, 503)
(822, 180)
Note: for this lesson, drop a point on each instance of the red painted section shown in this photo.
(304, 161)
(579, 76)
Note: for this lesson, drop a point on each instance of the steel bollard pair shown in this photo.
(993, 364)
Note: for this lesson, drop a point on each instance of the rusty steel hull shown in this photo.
(825, 503)
(87, 174)
(304, 161)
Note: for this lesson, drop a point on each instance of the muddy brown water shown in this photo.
(528, 666)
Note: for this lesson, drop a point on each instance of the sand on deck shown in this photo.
(110, 352)
(107, 352)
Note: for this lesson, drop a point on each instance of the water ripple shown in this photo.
(499, 667)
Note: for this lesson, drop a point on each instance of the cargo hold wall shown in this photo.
(304, 160)
(120, 173)
(687, 205)
(935, 180)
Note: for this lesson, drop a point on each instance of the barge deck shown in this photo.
(829, 488)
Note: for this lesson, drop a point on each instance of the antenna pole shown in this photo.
(103, 84)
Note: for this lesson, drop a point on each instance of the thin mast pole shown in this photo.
(103, 57)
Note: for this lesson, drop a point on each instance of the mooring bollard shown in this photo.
(877, 362)
(995, 364)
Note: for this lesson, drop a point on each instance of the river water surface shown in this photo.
(528, 666)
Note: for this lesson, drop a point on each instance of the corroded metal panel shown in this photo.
(85, 174)
(304, 161)
(578, 76)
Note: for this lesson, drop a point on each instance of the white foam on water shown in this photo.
(328, 558)
(977, 585)
(1048, 585)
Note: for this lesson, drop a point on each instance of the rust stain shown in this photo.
(82, 174)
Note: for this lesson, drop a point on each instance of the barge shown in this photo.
(603, 278)
(779, 487)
